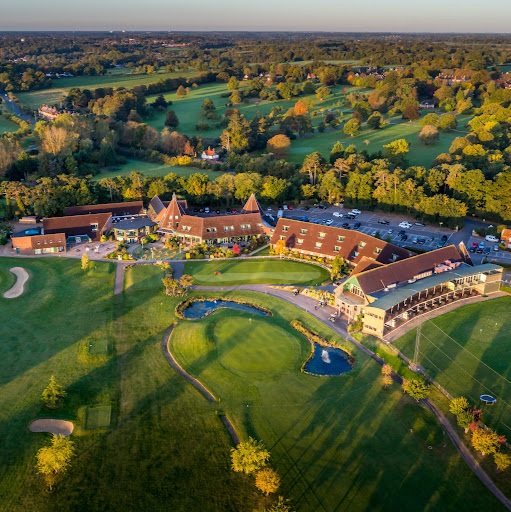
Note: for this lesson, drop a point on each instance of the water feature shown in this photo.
(325, 357)
(200, 309)
(329, 361)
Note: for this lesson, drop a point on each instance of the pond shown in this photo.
(200, 309)
(327, 361)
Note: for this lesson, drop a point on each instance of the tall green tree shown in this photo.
(53, 394)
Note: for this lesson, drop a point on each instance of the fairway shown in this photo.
(114, 78)
(328, 436)
(7, 126)
(467, 352)
(98, 417)
(150, 169)
(268, 271)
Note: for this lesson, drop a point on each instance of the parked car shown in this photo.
(390, 231)
(206, 210)
(346, 225)
(383, 221)
(486, 250)
(350, 216)
(491, 238)
(401, 233)
(285, 207)
(431, 239)
(356, 225)
(304, 218)
(320, 206)
(269, 208)
(374, 233)
(280, 208)
(290, 207)
(415, 240)
(444, 238)
(404, 238)
(218, 212)
(495, 248)
(355, 211)
(421, 241)
(405, 224)
(419, 224)
(305, 208)
(328, 222)
(475, 244)
(441, 243)
(338, 214)
(472, 249)
(234, 210)
(481, 245)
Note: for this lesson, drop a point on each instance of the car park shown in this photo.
(405, 224)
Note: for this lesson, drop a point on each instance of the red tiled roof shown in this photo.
(350, 243)
(401, 271)
(128, 208)
(365, 264)
(77, 225)
(251, 206)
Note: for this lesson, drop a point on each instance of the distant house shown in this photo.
(51, 113)
(505, 238)
(210, 154)
(39, 244)
(426, 104)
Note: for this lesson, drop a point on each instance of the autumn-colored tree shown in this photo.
(502, 460)
(280, 247)
(386, 369)
(267, 480)
(249, 456)
(85, 261)
(280, 506)
(300, 108)
(411, 112)
(235, 98)
(485, 441)
(386, 381)
(429, 134)
(279, 144)
(416, 388)
(458, 405)
(465, 419)
(181, 92)
(55, 459)
(53, 395)
(233, 84)
(186, 281)
(236, 249)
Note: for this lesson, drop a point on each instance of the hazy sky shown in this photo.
(313, 15)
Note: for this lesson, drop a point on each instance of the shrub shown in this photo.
(267, 480)
(502, 460)
(249, 456)
(416, 388)
(485, 441)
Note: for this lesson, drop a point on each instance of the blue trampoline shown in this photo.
(487, 399)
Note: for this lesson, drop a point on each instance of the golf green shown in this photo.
(251, 345)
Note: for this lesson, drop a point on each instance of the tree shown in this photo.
(171, 120)
(485, 441)
(502, 460)
(386, 381)
(300, 108)
(85, 262)
(280, 506)
(160, 101)
(337, 152)
(280, 247)
(53, 395)
(429, 134)
(396, 150)
(236, 136)
(464, 419)
(278, 144)
(249, 456)
(233, 84)
(235, 97)
(386, 369)
(430, 118)
(55, 459)
(447, 122)
(411, 112)
(416, 388)
(376, 121)
(172, 286)
(186, 281)
(236, 249)
(208, 109)
(267, 480)
(181, 92)
(458, 405)
(322, 92)
(312, 165)
(352, 127)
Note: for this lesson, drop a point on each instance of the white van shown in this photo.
(491, 238)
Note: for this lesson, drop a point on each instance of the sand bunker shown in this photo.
(17, 289)
(61, 427)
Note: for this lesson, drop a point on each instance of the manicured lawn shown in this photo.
(7, 126)
(188, 109)
(115, 78)
(467, 352)
(339, 443)
(254, 272)
(150, 169)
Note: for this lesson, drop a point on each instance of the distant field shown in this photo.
(7, 126)
(118, 78)
(149, 169)
(419, 154)
(188, 109)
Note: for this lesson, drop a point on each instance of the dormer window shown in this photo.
(94, 226)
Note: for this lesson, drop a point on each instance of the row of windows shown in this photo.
(210, 230)
(46, 241)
